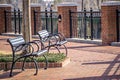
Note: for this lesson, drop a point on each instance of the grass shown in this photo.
(52, 57)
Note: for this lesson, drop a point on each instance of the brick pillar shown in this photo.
(37, 8)
(64, 24)
(4, 7)
(109, 33)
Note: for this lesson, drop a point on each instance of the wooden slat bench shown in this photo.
(25, 50)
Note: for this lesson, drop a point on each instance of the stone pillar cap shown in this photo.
(6, 5)
(35, 5)
(111, 3)
(68, 4)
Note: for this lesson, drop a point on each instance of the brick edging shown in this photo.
(29, 65)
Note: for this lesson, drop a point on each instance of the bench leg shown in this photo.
(46, 61)
(48, 49)
(66, 51)
(55, 47)
(13, 63)
(23, 64)
(36, 66)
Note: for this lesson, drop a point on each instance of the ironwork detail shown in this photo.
(88, 22)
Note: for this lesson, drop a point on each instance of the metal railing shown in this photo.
(13, 19)
(49, 20)
(118, 24)
(88, 24)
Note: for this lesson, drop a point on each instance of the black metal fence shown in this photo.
(13, 19)
(88, 24)
(118, 25)
(49, 20)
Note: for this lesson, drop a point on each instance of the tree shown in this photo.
(26, 21)
(98, 4)
(82, 4)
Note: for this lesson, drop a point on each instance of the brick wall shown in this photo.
(108, 18)
(4, 7)
(37, 8)
(64, 25)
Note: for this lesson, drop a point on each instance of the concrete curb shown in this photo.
(85, 41)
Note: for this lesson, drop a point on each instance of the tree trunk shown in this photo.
(26, 20)
(82, 5)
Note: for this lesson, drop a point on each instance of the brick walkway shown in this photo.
(88, 62)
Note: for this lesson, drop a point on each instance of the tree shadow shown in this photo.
(113, 77)
(107, 75)
(78, 47)
(92, 48)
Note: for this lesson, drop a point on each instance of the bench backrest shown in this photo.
(44, 34)
(14, 42)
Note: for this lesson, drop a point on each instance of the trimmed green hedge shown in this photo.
(52, 57)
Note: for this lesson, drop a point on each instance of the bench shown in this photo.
(22, 49)
(54, 40)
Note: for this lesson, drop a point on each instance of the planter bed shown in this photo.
(5, 63)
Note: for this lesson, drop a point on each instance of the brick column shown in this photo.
(4, 7)
(37, 8)
(109, 33)
(64, 24)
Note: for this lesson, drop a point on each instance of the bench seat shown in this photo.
(26, 50)
(54, 40)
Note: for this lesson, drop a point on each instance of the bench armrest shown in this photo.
(26, 48)
(60, 37)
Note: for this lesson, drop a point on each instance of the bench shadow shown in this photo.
(3, 39)
(5, 74)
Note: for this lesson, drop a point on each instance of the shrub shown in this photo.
(52, 57)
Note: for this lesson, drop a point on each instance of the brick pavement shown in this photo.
(88, 62)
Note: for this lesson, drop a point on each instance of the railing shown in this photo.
(15, 18)
(118, 25)
(48, 19)
(88, 24)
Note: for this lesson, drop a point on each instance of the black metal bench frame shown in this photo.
(18, 44)
(59, 40)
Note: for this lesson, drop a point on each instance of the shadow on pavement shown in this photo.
(113, 77)
(5, 74)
